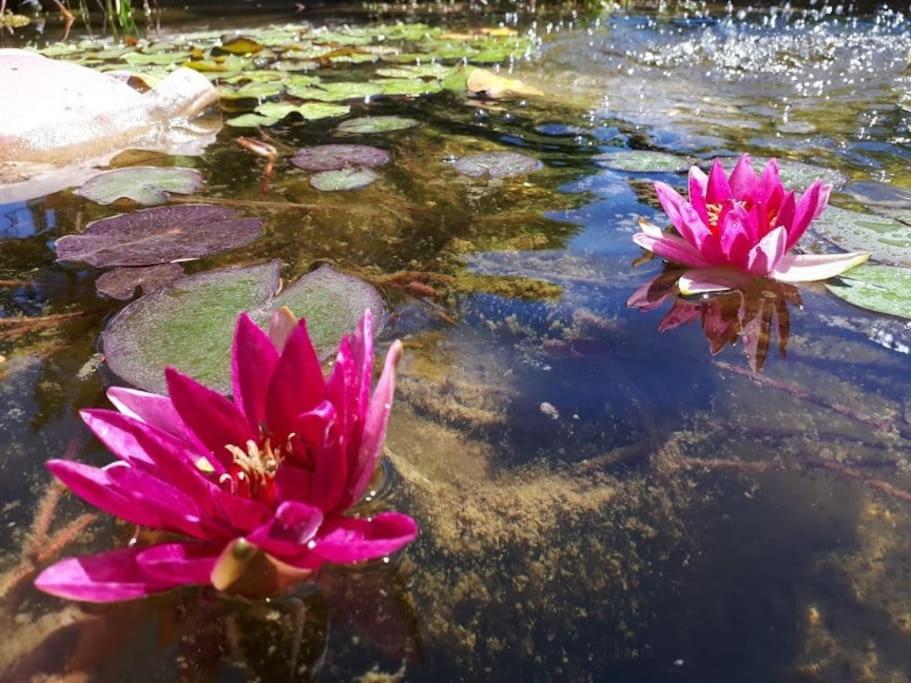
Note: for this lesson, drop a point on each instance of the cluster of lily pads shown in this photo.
(267, 75)
(881, 227)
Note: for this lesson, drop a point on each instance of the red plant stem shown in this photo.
(806, 395)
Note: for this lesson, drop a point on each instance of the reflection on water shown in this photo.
(745, 314)
(598, 499)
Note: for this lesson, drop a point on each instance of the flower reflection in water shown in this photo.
(749, 313)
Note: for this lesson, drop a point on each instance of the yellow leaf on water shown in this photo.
(482, 81)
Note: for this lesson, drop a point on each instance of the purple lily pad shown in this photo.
(161, 235)
(337, 157)
(121, 283)
(190, 324)
(497, 164)
(348, 178)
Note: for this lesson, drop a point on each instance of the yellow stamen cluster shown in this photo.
(257, 465)
(714, 212)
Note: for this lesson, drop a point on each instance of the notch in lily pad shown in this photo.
(162, 234)
(190, 324)
(146, 185)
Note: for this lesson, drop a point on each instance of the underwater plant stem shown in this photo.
(40, 321)
(815, 399)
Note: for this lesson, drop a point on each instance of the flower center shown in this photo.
(253, 470)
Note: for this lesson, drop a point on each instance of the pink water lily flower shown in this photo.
(744, 223)
(270, 474)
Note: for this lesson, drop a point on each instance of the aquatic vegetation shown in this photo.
(884, 289)
(159, 235)
(121, 283)
(145, 185)
(376, 124)
(742, 224)
(274, 472)
(187, 325)
(351, 178)
(642, 161)
(497, 164)
(337, 157)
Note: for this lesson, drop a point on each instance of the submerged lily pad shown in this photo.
(337, 157)
(497, 164)
(349, 178)
(887, 239)
(159, 235)
(642, 161)
(189, 325)
(376, 124)
(143, 184)
(121, 283)
(883, 289)
(251, 121)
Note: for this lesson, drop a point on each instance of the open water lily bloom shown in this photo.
(268, 475)
(741, 225)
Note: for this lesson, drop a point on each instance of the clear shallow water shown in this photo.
(599, 499)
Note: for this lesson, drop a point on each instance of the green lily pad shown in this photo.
(158, 58)
(337, 92)
(643, 161)
(795, 175)
(309, 111)
(887, 239)
(190, 324)
(251, 121)
(145, 185)
(497, 164)
(159, 235)
(883, 289)
(376, 124)
(351, 178)
(258, 91)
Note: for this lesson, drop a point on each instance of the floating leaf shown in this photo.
(337, 92)
(251, 121)
(883, 289)
(497, 164)
(482, 81)
(642, 161)
(190, 324)
(888, 240)
(337, 157)
(159, 235)
(350, 178)
(376, 124)
(797, 175)
(239, 45)
(309, 111)
(158, 58)
(879, 194)
(121, 283)
(258, 91)
(143, 184)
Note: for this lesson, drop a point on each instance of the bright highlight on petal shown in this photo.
(259, 486)
(745, 222)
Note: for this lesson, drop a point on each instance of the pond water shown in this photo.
(604, 493)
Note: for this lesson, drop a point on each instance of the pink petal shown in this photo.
(152, 409)
(640, 298)
(213, 419)
(810, 205)
(297, 384)
(344, 540)
(691, 226)
(253, 362)
(179, 563)
(735, 238)
(328, 464)
(813, 267)
(718, 190)
(674, 249)
(293, 483)
(96, 487)
(147, 448)
(743, 179)
(374, 432)
(287, 533)
(769, 183)
(698, 184)
(107, 577)
(767, 253)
